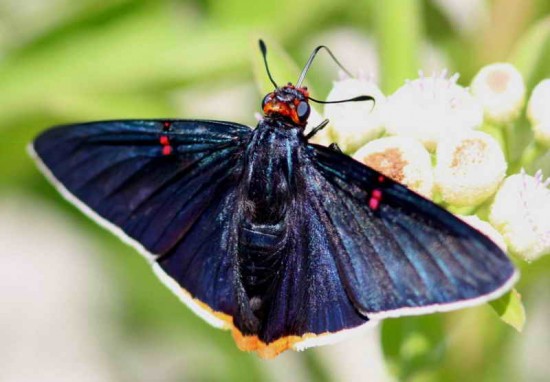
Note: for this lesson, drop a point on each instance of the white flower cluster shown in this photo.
(470, 166)
(430, 108)
(431, 135)
(521, 212)
(501, 91)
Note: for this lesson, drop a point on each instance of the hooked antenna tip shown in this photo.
(262, 46)
(364, 98)
(264, 55)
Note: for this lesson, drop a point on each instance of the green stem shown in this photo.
(399, 35)
(530, 154)
(500, 134)
(508, 132)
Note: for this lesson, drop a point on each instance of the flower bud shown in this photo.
(521, 212)
(403, 159)
(470, 167)
(429, 108)
(486, 229)
(538, 111)
(501, 91)
(355, 123)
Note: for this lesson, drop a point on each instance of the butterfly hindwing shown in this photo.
(403, 254)
(309, 296)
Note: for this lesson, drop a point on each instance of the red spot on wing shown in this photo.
(381, 178)
(164, 140)
(375, 199)
(167, 150)
(374, 203)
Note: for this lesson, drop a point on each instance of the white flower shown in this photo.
(354, 123)
(403, 159)
(429, 108)
(470, 167)
(538, 112)
(486, 229)
(501, 90)
(521, 212)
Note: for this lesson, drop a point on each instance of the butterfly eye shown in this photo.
(267, 99)
(303, 110)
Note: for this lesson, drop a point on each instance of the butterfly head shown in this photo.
(291, 102)
(288, 102)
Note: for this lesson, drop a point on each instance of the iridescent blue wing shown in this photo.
(400, 254)
(158, 185)
(310, 299)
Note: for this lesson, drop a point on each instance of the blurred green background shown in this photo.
(76, 304)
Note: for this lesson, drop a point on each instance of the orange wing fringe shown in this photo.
(251, 343)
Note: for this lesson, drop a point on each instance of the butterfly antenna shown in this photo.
(263, 49)
(354, 99)
(310, 61)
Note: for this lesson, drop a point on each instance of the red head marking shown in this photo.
(288, 102)
(381, 178)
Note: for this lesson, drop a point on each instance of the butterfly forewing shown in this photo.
(122, 174)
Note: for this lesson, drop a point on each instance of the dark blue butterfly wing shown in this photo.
(404, 255)
(166, 187)
(309, 296)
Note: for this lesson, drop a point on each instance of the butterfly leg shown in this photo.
(316, 129)
(334, 147)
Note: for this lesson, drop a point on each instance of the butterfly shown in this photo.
(286, 243)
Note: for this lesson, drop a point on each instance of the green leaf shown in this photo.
(279, 19)
(530, 50)
(143, 50)
(413, 346)
(510, 309)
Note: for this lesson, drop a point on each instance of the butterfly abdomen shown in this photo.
(267, 198)
(260, 259)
